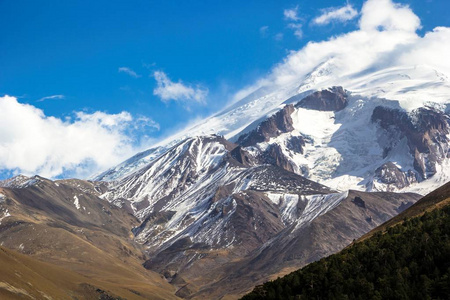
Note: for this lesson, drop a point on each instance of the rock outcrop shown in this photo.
(393, 177)
(333, 99)
(426, 132)
(279, 123)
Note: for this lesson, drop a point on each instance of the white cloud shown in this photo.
(386, 38)
(129, 71)
(385, 15)
(51, 98)
(33, 143)
(168, 90)
(291, 14)
(342, 14)
(297, 28)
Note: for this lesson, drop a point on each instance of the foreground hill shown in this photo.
(74, 241)
(23, 277)
(406, 258)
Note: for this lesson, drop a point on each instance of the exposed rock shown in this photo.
(243, 156)
(279, 123)
(359, 202)
(426, 132)
(296, 144)
(404, 205)
(391, 175)
(274, 156)
(333, 99)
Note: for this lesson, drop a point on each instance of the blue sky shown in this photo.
(65, 57)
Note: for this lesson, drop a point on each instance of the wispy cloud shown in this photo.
(51, 98)
(263, 31)
(291, 14)
(129, 71)
(168, 90)
(295, 22)
(336, 14)
(148, 65)
(279, 36)
(146, 122)
(297, 28)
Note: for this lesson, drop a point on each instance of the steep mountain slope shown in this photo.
(207, 203)
(64, 223)
(307, 241)
(405, 258)
(212, 202)
(202, 204)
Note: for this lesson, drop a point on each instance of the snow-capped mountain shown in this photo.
(253, 178)
(338, 138)
(343, 146)
(272, 178)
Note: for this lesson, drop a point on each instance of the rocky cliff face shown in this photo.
(393, 177)
(426, 131)
(333, 99)
(280, 122)
(381, 146)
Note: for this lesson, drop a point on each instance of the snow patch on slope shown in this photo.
(317, 205)
(5, 214)
(288, 205)
(76, 202)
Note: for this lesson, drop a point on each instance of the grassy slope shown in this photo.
(73, 246)
(22, 277)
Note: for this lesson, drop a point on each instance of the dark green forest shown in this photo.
(408, 261)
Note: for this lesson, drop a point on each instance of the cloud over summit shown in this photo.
(386, 37)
